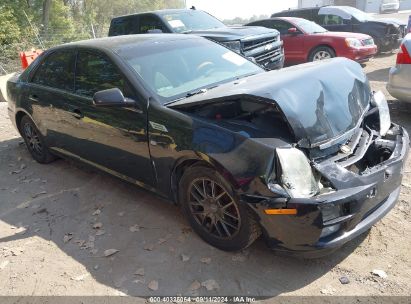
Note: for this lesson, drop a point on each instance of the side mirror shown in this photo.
(112, 98)
(292, 31)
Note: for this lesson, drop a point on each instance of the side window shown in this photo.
(330, 20)
(281, 26)
(124, 26)
(149, 22)
(95, 73)
(56, 71)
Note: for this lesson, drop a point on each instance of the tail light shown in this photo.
(403, 57)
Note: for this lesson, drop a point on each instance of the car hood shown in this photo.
(343, 35)
(323, 102)
(391, 21)
(235, 32)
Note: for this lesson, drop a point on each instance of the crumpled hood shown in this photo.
(392, 21)
(236, 33)
(321, 100)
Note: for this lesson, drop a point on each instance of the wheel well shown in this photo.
(318, 46)
(179, 171)
(19, 117)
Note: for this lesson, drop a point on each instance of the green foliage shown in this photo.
(22, 28)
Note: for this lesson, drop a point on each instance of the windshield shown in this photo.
(179, 68)
(191, 20)
(357, 14)
(309, 27)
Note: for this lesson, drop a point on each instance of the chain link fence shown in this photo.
(9, 53)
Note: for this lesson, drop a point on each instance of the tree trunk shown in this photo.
(46, 15)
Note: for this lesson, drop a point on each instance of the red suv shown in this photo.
(305, 41)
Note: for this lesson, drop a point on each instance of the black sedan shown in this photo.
(308, 156)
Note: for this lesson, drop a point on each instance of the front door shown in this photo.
(112, 139)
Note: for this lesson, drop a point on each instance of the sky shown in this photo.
(229, 9)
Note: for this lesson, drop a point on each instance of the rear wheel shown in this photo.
(35, 142)
(322, 53)
(214, 212)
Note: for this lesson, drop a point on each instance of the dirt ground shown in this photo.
(57, 221)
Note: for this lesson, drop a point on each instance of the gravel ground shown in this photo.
(57, 222)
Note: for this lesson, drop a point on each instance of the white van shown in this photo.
(390, 6)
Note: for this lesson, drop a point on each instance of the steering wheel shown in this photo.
(205, 68)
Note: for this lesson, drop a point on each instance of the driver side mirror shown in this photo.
(112, 98)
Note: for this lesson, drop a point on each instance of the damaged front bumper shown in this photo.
(360, 198)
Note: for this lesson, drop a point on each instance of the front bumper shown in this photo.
(362, 54)
(365, 199)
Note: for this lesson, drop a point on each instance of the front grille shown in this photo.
(272, 54)
(250, 45)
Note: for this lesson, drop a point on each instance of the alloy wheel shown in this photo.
(33, 139)
(214, 209)
(321, 55)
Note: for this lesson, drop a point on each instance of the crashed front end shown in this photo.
(334, 199)
(331, 191)
(310, 149)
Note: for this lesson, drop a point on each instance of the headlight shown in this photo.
(385, 120)
(233, 45)
(297, 175)
(353, 42)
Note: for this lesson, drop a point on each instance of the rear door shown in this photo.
(112, 139)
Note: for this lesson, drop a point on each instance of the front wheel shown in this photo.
(321, 53)
(214, 211)
(35, 142)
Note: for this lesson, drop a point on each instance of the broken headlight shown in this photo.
(297, 175)
(233, 45)
(385, 120)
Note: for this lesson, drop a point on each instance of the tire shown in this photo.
(222, 222)
(321, 53)
(35, 142)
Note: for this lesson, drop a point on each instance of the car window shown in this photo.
(330, 20)
(96, 72)
(149, 23)
(124, 26)
(191, 20)
(281, 26)
(56, 71)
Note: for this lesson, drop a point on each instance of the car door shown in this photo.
(112, 139)
(48, 90)
(293, 42)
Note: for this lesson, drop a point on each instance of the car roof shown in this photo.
(159, 12)
(117, 43)
(290, 19)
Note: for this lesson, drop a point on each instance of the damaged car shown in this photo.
(307, 156)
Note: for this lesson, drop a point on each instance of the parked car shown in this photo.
(261, 45)
(387, 34)
(306, 156)
(388, 6)
(307, 41)
(399, 83)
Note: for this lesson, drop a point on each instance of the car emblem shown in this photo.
(268, 47)
(345, 149)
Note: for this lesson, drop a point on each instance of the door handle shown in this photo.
(76, 113)
(33, 97)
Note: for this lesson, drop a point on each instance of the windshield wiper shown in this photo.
(192, 93)
(201, 91)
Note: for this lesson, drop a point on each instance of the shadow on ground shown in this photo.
(51, 201)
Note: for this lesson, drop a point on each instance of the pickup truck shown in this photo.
(261, 45)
